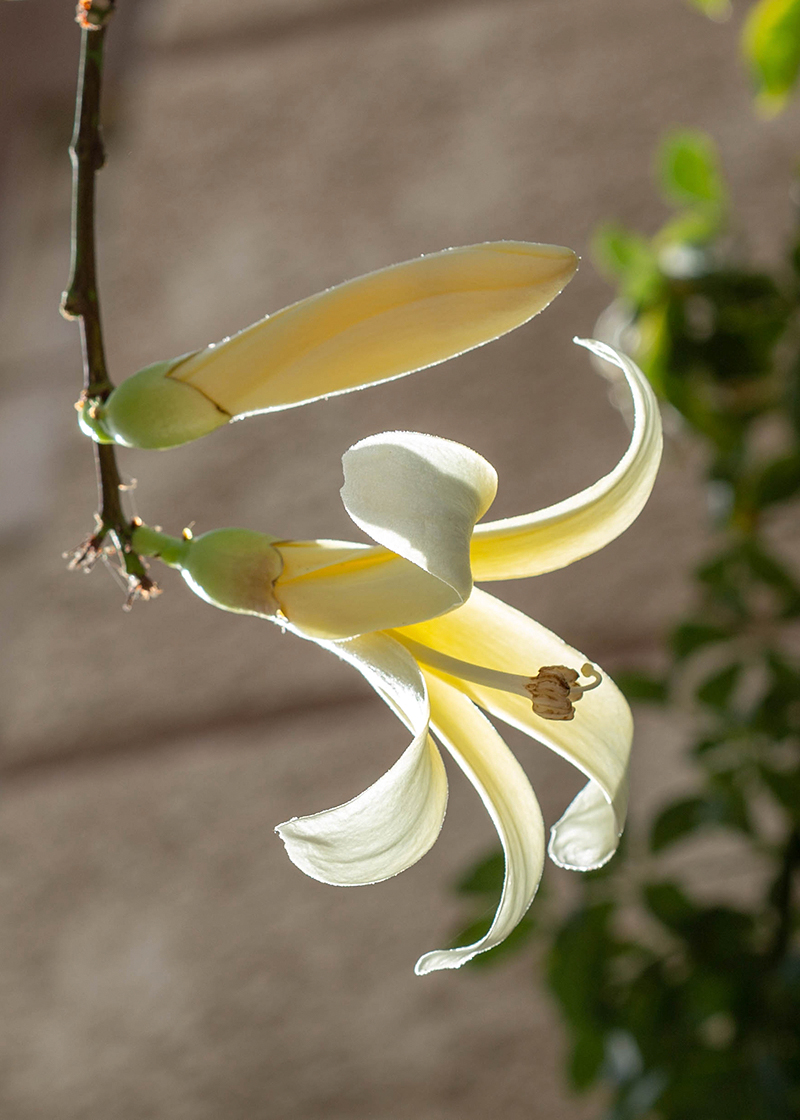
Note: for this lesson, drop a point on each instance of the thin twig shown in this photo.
(81, 301)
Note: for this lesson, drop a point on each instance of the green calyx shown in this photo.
(152, 410)
(233, 569)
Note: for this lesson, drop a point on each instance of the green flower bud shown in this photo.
(152, 410)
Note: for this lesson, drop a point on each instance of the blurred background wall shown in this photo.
(158, 953)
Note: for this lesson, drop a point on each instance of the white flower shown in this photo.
(405, 614)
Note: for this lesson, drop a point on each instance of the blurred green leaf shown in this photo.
(785, 787)
(578, 961)
(716, 692)
(723, 804)
(689, 170)
(670, 905)
(586, 1058)
(778, 713)
(691, 636)
(774, 575)
(627, 257)
(720, 937)
(771, 44)
(689, 230)
(676, 821)
(641, 686)
(485, 877)
(778, 481)
(718, 10)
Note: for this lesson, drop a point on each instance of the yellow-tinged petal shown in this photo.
(369, 589)
(380, 326)
(420, 496)
(554, 537)
(511, 803)
(393, 823)
(486, 631)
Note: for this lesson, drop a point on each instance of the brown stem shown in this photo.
(87, 153)
(81, 300)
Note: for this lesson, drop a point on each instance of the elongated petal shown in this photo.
(559, 535)
(597, 741)
(331, 589)
(506, 792)
(420, 496)
(393, 823)
(380, 326)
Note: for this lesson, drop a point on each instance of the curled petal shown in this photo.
(380, 326)
(486, 631)
(506, 792)
(392, 824)
(586, 836)
(420, 496)
(554, 537)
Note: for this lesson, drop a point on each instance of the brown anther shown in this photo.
(555, 689)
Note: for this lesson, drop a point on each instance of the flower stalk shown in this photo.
(81, 301)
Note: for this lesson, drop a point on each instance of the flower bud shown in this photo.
(365, 331)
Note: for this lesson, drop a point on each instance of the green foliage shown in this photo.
(628, 259)
(771, 45)
(714, 9)
(722, 804)
(697, 1017)
(689, 171)
(690, 636)
(717, 690)
(705, 1013)
(637, 685)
